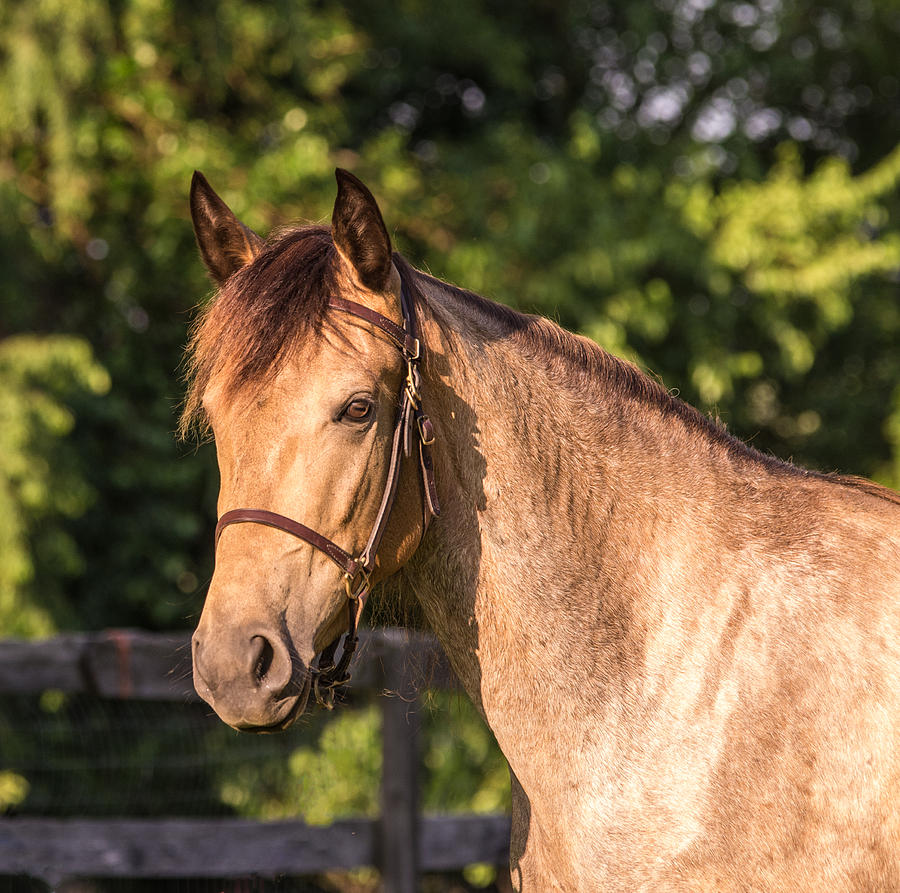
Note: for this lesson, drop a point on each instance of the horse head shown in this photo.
(296, 366)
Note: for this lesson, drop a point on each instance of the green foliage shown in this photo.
(13, 789)
(465, 771)
(340, 776)
(335, 773)
(800, 247)
(41, 482)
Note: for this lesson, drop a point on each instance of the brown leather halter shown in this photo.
(411, 422)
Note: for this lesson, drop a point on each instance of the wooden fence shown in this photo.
(401, 843)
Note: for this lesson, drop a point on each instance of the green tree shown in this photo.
(601, 163)
(41, 481)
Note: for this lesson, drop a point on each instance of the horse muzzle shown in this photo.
(252, 679)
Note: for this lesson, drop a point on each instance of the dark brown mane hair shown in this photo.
(579, 363)
(246, 331)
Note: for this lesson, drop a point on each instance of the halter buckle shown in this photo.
(363, 586)
(426, 429)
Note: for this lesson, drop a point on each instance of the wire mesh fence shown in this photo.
(108, 739)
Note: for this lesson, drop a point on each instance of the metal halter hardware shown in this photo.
(327, 675)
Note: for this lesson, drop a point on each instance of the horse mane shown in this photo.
(244, 334)
(578, 363)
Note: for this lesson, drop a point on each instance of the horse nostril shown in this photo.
(261, 656)
(196, 658)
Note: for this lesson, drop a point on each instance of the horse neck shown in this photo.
(535, 577)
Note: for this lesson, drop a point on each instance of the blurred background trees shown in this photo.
(708, 188)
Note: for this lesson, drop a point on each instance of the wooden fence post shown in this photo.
(399, 828)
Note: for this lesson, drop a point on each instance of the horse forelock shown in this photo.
(245, 332)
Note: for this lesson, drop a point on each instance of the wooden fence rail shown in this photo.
(154, 666)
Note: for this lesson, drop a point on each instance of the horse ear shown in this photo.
(225, 243)
(359, 233)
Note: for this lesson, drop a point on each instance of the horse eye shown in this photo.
(358, 410)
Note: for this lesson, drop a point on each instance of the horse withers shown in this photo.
(688, 652)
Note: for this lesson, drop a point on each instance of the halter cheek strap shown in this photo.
(412, 425)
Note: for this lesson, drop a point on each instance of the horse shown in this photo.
(686, 650)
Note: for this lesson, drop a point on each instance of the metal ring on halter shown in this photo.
(363, 587)
(412, 388)
(324, 692)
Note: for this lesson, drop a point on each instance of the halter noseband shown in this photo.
(411, 421)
